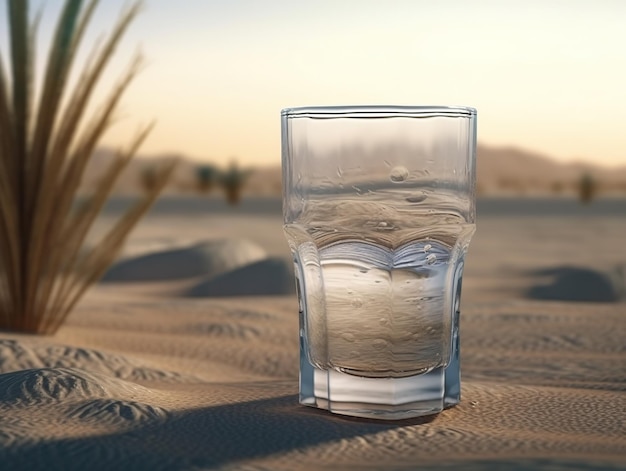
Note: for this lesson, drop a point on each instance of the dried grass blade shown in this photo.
(62, 52)
(76, 227)
(9, 244)
(7, 164)
(72, 115)
(97, 262)
(77, 105)
(51, 212)
(7, 171)
(18, 13)
(8, 292)
(9, 248)
(20, 80)
(55, 78)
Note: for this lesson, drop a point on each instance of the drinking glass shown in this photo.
(379, 209)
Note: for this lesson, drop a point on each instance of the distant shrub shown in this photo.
(206, 177)
(233, 181)
(149, 178)
(587, 188)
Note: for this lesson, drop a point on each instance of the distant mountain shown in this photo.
(500, 171)
(516, 171)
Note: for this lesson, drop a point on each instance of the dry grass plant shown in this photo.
(45, 144)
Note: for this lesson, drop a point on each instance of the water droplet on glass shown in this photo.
(398, 174)
(427, 247)
(430, 259)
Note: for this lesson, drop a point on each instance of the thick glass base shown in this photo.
(381, 398)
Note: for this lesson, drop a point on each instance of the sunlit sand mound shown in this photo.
(273, 276)
(45, 388)
(208, 258)
(19, 355)
(39, 403)
(41, 385)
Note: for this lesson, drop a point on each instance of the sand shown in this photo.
(163, 374)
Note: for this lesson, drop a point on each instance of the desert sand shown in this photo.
(173, 361)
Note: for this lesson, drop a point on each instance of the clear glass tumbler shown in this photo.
(379, 209)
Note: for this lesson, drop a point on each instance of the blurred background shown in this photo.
(547, 78)
(546, 75)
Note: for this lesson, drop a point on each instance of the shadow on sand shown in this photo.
(578, 284)
(199, 439)
(223, 437)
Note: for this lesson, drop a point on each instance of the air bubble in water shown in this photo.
(348, 337)
(431, 258)
(417, 197)
(427, 247)
(398, 174)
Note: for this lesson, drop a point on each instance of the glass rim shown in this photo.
(378, 111)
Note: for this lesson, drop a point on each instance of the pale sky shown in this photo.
(545, 75)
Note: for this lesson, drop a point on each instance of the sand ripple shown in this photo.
(60, 384)
(17, 355)
(115, 411)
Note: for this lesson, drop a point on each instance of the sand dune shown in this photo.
(146, 377)
(207, 258)
(273, 276)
